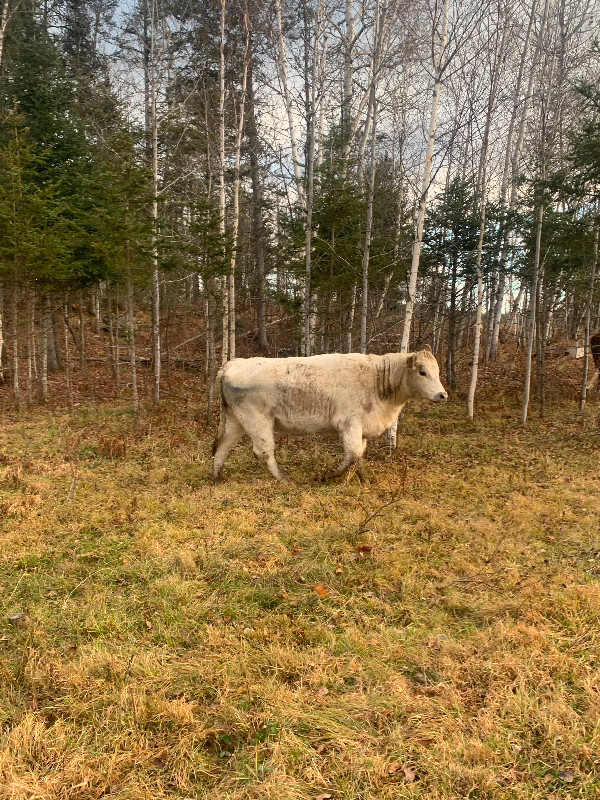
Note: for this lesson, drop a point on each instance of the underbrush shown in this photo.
(434, 633)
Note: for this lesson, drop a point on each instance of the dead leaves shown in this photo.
(402, 772)
(321, 590)
(566, 775)
(19, 620)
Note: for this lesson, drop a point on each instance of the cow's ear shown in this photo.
(411, 362)
(427, 348)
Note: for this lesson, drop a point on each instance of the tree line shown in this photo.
(277, 177)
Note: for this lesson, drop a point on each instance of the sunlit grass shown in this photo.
(250, 640)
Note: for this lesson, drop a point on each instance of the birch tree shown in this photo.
(440, 64)
(588, 323)
(482, 192)
(235, 222)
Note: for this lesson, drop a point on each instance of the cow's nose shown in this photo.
(441, 397)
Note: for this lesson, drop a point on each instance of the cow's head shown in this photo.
(423, 377)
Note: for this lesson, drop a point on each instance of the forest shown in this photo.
(254, 178)
(184, 183)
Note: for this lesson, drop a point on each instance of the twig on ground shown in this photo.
(73, 485)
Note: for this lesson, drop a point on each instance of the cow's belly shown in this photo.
(299, 425)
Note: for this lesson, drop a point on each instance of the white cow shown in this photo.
(359, 396)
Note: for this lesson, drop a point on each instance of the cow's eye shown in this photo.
(423, 373)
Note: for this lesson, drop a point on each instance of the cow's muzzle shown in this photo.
(440, 397)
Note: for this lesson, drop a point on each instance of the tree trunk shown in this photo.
(288, 102)
(588, 317)
(257, 210)
(7, 13)
(416, 253)
(367, 245)
(350, 321)
(82, 350)
(156, 348)
(51, 345)
(44, 325)
(225, 281)
(15, 342)
(67, 356)
(111, 334)
(117, 346)
(532, 314)
(311, 93)
(482, 199)
(212, 360)
(451, 352)
(131, 331)
(348, 79)
(509, 159)
(32, 371)
(236, 197)
(96, 297)
(2, 343)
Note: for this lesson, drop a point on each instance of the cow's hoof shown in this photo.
(326, 477)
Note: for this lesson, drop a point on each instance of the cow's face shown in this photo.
(423, 377)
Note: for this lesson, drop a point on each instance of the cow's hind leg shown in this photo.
(231, 435)
(354, 448)
(261, 432)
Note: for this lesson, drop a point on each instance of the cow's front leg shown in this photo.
(354, 448)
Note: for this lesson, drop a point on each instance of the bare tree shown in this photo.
(588, 321)
(440, 64)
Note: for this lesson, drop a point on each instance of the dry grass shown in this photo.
(253, 641)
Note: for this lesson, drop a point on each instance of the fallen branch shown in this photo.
(73, 485)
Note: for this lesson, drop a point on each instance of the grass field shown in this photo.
(434, 633)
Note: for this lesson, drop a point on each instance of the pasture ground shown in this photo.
(433, 634)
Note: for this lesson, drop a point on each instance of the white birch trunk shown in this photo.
(492, 344)
(532, 315)
(309, 317)
(482, 195)
(475, 365)
(348, 79)
(44, 352)
(132, 357)
(5, 17)
(156, 349)
(236, 197)
(288, 102)
(392, 431)
(67, 355)
(367, 245)
(588, 319)
(416, 252)
(225, 281)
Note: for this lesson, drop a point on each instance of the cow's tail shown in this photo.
(222, 408)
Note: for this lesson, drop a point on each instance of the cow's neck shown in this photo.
(390, 379)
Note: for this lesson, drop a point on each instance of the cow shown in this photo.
(595, 350)
(357, 396)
